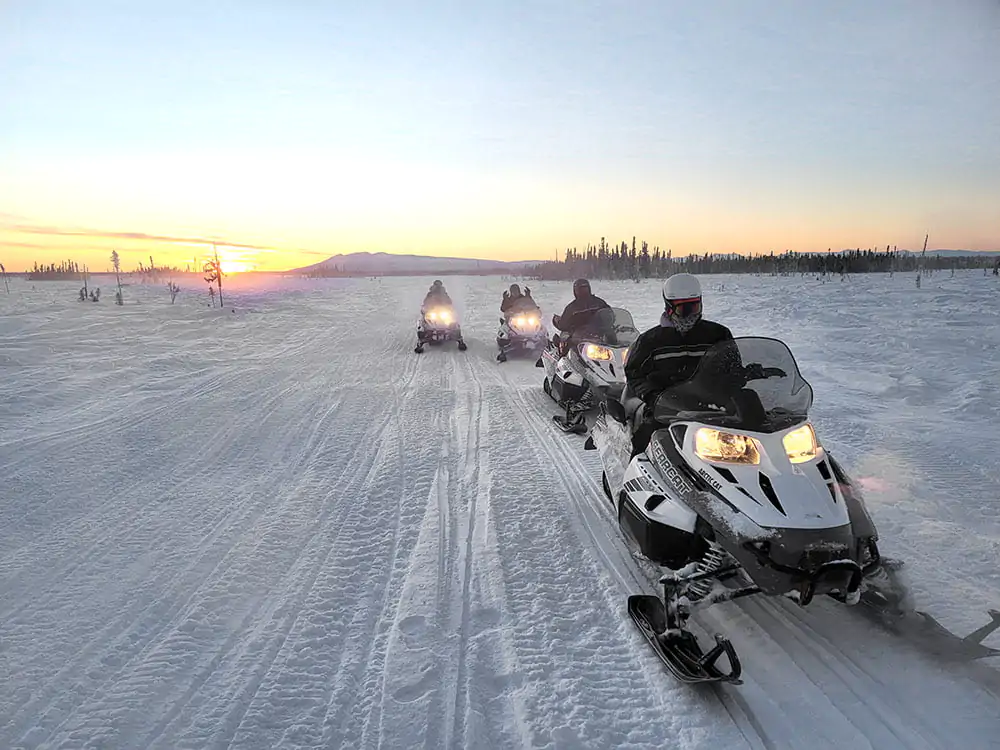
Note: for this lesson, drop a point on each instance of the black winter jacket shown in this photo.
(437, 298)
(661, 357)
(524, 303)
(579, 312)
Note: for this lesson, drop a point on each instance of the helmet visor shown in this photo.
(684, 308)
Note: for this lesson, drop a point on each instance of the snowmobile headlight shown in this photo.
(625, 355)
(532, 321)
(443, 315)
(432, 315)
(801, 444)
(598, 353)
(519, 321)
(725, 447)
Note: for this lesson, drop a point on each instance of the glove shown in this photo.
(527, 292)
(757, 372)
(555, 320)
(649, 397)
(506, 294)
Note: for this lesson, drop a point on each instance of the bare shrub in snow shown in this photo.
(213, 275)
(117, 263)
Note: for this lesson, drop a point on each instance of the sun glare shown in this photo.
(234, 260)
(234, 266)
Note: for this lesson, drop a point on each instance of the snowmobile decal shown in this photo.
(703, 473)
(678, 482)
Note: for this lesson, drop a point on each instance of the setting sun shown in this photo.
(235, 260)
(235, 266)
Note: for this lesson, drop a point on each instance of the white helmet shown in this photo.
(682, 298)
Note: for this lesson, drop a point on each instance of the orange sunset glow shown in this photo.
(722, 141)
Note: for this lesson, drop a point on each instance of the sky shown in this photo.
(290, 131)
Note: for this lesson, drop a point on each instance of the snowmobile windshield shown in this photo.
(613, 326)
(748, 383)
(522, 306)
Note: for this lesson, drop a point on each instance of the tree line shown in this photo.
(65, 270)
(70, 270)
(632, 261)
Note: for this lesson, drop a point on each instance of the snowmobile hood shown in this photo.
(773, 493)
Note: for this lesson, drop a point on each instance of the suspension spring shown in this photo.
(715, 558)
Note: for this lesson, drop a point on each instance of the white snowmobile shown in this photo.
(522, 332)
(734, 496)
(589, 368)
(438, 323)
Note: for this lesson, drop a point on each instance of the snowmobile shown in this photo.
(437, 324)
(588, 368)
(521, 332)
(734, 496)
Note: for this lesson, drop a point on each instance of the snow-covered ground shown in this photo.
(279, 527)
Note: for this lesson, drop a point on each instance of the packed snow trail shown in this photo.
(279, 527)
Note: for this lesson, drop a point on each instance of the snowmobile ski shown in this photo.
(573, 421)
(954, 647)
(678, 648)
(572, 426)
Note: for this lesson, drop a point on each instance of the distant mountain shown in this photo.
(388, 264)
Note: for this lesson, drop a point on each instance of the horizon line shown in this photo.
(499, 264)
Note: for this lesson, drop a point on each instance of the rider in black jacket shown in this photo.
(669, 353)
(436, 295)
(515, 301)
(580, 311)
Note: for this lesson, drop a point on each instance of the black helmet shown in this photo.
(437, 284)
(515, 290)
(581, 288)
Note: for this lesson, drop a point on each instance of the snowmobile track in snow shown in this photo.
(862, 701)
(597, 522)
(373, 549)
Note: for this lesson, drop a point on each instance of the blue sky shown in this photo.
(501, 129)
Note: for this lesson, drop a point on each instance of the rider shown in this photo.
(669, 354)
(581, 310)
(515, 301)
(436, 295)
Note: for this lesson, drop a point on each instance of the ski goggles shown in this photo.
(684, 308)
